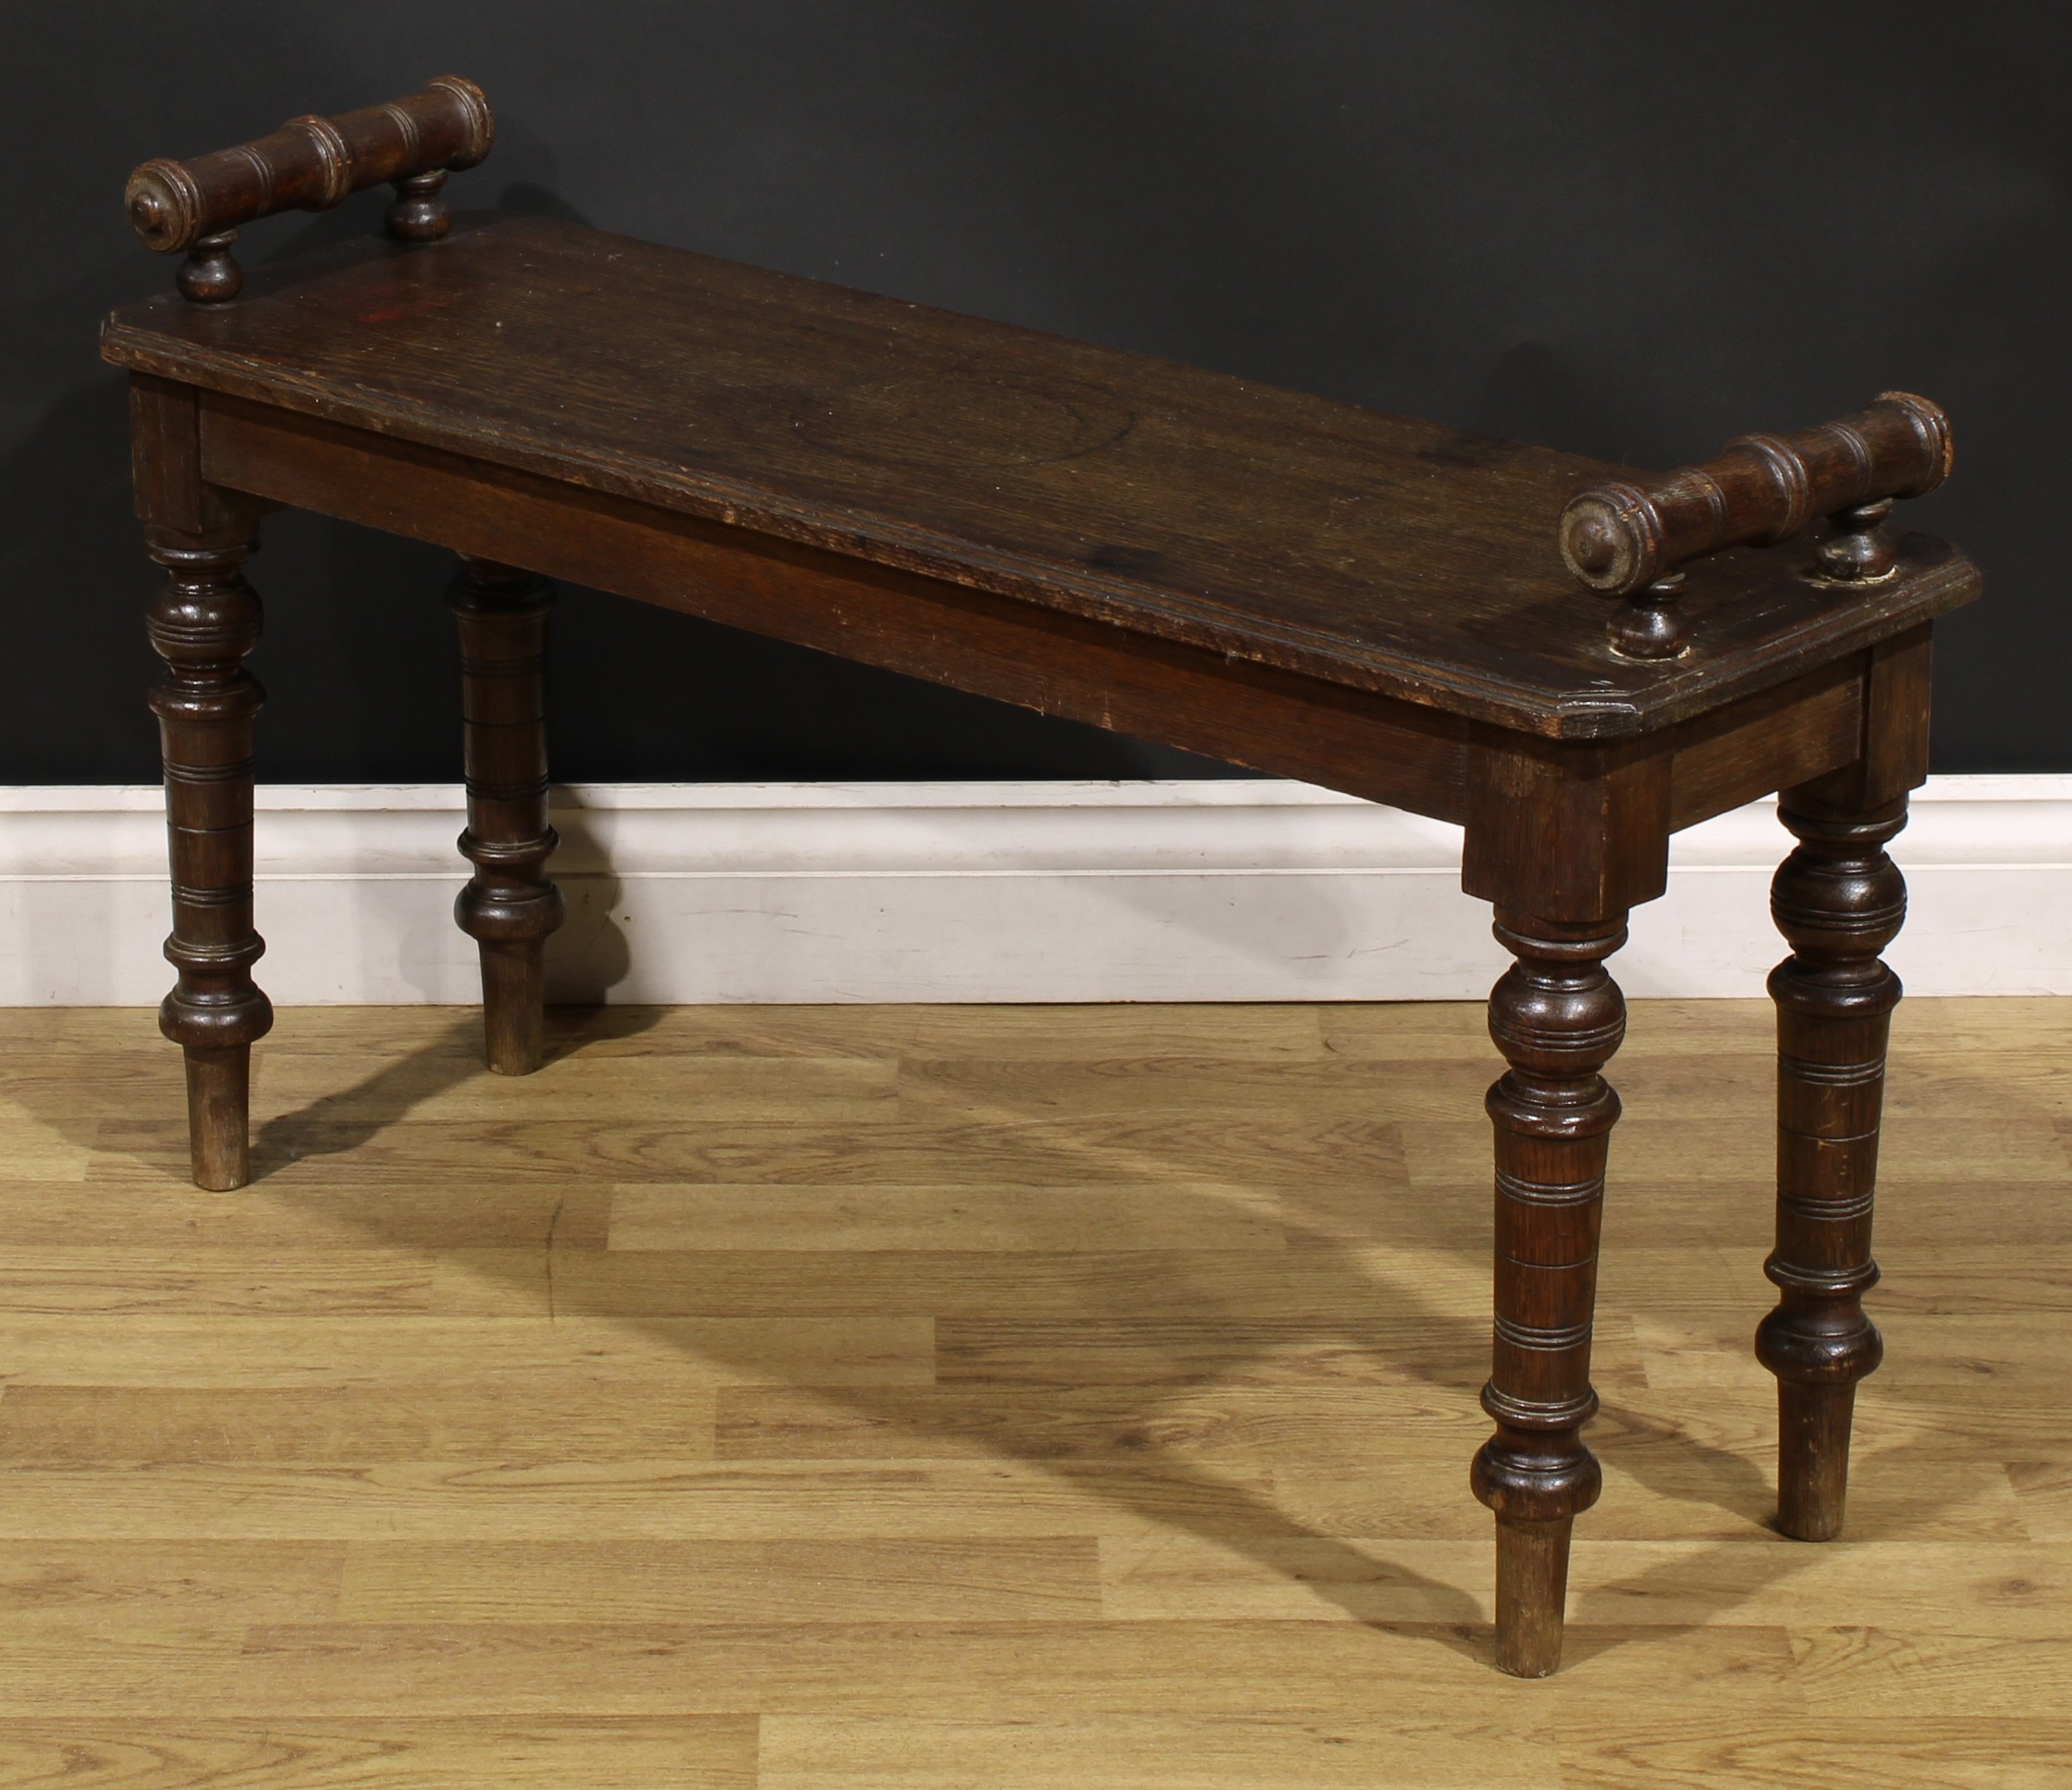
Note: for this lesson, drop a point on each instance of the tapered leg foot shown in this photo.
(514, 1005)
(1813, 1458)
(1532, 1593)
(510, 906)
(218, 1105)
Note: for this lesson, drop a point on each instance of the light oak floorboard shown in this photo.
(117, 1752)
(853, 1398)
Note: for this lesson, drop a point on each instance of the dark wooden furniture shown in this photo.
(1373, 604)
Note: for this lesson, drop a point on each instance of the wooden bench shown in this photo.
(1571, 661)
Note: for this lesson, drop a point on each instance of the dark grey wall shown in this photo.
(1631, 230)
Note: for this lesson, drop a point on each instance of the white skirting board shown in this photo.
(977, 892)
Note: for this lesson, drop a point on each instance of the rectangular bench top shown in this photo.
(1404, 557)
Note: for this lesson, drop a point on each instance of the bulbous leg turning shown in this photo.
(510, 905)
(1558, 1016)
(1839, 901)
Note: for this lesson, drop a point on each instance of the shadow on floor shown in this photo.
(1162, 1488)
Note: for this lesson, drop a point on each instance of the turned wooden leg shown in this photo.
(203, 621)
(510, 905)
(1557, 1016)
(1840, 901)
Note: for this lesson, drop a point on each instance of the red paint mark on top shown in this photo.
(388, 316)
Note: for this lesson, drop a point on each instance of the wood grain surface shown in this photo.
(1403, 558)
(833, 1398)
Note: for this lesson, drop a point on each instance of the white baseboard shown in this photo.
(971, 892)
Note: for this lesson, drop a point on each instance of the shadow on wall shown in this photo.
(398, 910)
(591, 954)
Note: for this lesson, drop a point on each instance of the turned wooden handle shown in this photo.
(1618, 538)
(312, 163)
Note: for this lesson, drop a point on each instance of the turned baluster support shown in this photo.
(1558, 1016)
(203, 621)
(1839, 900)
(312, 164)
(1627, 540)
(510, 906)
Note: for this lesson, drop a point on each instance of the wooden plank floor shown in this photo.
(905, 1399)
